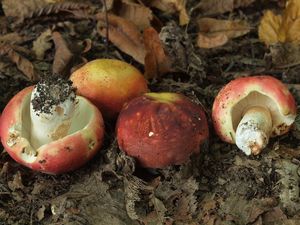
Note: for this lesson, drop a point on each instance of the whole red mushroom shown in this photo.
(108, 84)
(161, 129)
(249, 110)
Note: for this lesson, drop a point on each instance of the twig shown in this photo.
(106, 24)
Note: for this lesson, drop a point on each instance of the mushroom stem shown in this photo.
(52, 106)
(253, 131)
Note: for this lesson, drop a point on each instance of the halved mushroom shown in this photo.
(51, 131)
(249, 110)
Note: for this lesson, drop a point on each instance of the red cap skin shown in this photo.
(160, 130)
(62, 155)
(240, 88)
(109, 83)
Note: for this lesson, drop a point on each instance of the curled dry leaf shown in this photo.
(12, 38)
(211, 7)
(173, 6)
(204, 41)
(21, 8)
(214, 33)
(16, 183)
(40, 214)
(157, 62)
(42, 44)
(138, 14)
(281, 28)
(63, 55)
(124, 34)
(22, 63)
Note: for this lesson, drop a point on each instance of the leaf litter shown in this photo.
(219, 186)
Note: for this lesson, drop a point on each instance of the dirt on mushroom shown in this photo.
(221, 186)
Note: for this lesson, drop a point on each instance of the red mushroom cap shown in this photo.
(242, 93)
(161, 129)
(59, 156)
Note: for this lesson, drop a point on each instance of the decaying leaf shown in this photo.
(21, 8)
(63, 55)
(22, 63)
(138, 14)
(76, 10)
(136, 191)
(289, 180)
(12, 38)
(173, 6)
(124, 34)
(16, 183)
(281, 28)
(211, 7)
(40, 214)
(42, 44)
(242, 211)
(211, 42)
(214, 33)
(157, 62)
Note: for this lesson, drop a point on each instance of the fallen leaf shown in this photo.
(242, 211)
(273, 216)
(281, 28)
(40, 214)
(214, 33)
(285, 55)
(140, 15)
(289, 185)
(42, 44)
(173, 6)
(12, 38)
(74, 9)
(204, 41)
(21, 8)
(62, 57)
(22, 63)
(124, 34)
(16, 183)
(157, 62)
(211, 7)
(109, 5)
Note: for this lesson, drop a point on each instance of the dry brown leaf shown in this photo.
(157, 62)
(12, 38)
(138, 14)
(21, 8)
(211, 7)
(215, 33)
(42, 44)
(16, 183)
(124, 34)
(109, 5)
(22, 63)
(231, 28)
(173, 6)
(281, 28)
(40, 214)
(63, 55)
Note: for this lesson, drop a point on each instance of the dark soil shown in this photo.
(219, 186)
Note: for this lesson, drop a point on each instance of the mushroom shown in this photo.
(249, 110)
(48, 128)
(161, 129)
(108, 84)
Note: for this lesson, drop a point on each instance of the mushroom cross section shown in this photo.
(31, 141)
(249, 110)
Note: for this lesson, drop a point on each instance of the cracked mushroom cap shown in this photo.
(242, 93)
(84, 138)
